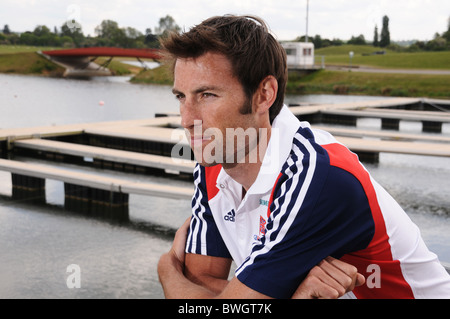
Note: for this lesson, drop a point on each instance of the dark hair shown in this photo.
(246, 41)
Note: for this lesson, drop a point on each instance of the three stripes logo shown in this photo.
(229, 217)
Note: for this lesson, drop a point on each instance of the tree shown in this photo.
(439, 43)
(336, 42)
(375, 37)
(42, 37)
(13, 38)
(166, 25)
(446, 34)
(6, 29)
(41, 31)
(385, 37)
(28, 38)
(75, 34)
(132, 33)
(318, 42)
(107, 29)
(359, 40)
(110, 34)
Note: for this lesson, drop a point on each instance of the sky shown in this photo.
(341, 19)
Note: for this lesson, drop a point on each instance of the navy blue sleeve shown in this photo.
(318, 211)
(203, 237)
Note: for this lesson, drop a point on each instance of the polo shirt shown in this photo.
(311, 199)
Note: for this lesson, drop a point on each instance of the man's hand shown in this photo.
(330, 279)
(176, 255)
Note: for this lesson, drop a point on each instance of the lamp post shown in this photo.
(350, 54)
(307, 13)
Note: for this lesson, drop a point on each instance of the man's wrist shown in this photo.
(168, 264)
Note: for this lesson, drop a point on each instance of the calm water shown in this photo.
(37, 244)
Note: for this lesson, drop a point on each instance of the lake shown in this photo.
(37, 244)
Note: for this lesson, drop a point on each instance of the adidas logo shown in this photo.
(229, 217)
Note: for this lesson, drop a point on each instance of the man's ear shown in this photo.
(266, 94)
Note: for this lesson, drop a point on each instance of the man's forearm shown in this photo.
(174, 282)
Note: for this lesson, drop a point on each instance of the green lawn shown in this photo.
(339, 55)
(358, 83)
(5, 49)
(343, 50)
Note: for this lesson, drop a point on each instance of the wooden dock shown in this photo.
(89, 194)
(158, 146)
(348, 113)
(115, 185)
(382, 135)
(390, 119)
(92, 153)
(86, 192)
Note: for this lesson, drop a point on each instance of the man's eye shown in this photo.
(207, 94)
(179, 96)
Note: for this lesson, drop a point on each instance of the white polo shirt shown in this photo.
(311, 199)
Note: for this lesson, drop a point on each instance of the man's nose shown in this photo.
(189, 113)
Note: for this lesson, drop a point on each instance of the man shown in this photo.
(272, 194)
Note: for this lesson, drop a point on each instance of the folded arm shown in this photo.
(186, 276)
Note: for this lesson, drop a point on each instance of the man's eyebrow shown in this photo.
(175, 91)
(205, 88)
(198, 90)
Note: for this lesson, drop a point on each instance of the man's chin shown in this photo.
(214, 163)
(206, 161)
(206, 164)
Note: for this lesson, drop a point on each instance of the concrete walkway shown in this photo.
(393, 71)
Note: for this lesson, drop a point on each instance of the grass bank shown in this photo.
(377, 84)
(160, 75)
(11, 49)
(341, 82)
(26, 60)
(117, 67)
(28, 63)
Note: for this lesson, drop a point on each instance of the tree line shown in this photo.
(108, 33)
(440, 42)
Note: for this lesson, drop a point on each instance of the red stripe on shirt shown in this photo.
(211, 174)
(392, 284)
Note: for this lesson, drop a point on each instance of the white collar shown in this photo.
(283, 130)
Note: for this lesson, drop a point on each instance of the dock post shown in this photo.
(390, 124)
(348, 120)
(96, 202)
(76, 198)
(109, 204)
(431, 127)
(313, 118)
(369, 157)
(28, 188)
(3, 149)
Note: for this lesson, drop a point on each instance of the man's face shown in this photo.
(210, 99)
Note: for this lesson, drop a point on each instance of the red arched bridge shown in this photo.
(80, 62)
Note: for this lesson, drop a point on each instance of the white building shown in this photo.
(300, 55)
